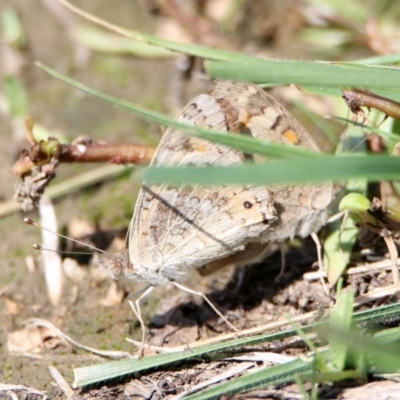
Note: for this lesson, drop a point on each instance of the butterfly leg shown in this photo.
(136, 309)
(186, 289)
(320, 265)
(282, 249)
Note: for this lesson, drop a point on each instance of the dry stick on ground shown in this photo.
(270, 327)
(61, 382)
(231, 372)
(34, 322)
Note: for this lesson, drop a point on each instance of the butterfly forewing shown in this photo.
(175, 228)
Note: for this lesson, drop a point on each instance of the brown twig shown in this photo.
(41, 153)
(37, 165)
(357, 98)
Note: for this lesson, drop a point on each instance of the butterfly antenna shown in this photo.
(38, 247)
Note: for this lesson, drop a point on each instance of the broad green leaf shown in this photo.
(338, 246)
(357, 205)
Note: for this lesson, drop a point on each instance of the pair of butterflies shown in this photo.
(176, 228)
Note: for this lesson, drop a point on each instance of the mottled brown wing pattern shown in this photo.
(261, 116)
(301, 209)
(178, 228)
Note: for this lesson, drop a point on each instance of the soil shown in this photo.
(94, 309)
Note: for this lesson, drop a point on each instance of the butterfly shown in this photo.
(175, 228)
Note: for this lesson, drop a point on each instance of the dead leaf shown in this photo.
(32, 340)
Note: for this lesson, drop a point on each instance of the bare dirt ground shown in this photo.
(93, 314)
(93, 309)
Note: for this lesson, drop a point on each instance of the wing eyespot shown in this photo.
(247, 205)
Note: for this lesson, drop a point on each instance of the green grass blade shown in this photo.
(388, 335)
(371, 129)
(199, 51)
(15, 93)
(307, 73)
(88, 375)
(377, 315)
(341, 235)
(286, 373)
(92, 374)
(244, 143)
(341, 319)
(264, 377)
(327, 168)
(191, 49)
(383, 353)
(380, 60)
(105, 42)
(318, 122)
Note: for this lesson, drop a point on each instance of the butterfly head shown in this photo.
(115, 264)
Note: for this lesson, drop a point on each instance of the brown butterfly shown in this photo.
(191, 226)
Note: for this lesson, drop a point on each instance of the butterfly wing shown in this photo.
(301, 208)
(175, 228)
